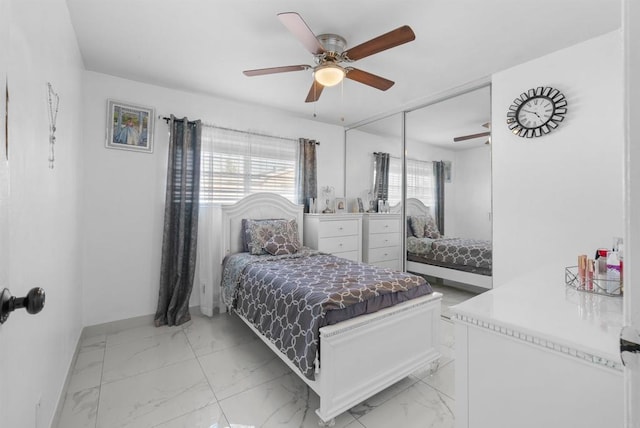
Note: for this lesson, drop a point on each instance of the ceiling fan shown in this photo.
(474, 136)
(329, 53)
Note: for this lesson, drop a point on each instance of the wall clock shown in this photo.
(536, 112)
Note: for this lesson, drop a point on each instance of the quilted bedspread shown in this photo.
(287, 298)
(453, 251)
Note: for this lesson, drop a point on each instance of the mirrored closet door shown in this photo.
(448, 194)
(373, 186)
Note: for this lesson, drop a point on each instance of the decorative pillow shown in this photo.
(244, 231)
(431, 231)
(259, 232)
(424, 226)
(281, 244)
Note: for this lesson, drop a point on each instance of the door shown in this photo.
(631, 331)
(4, 181)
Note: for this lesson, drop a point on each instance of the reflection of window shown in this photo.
(235, 164)
(420, 183)
(395, 180)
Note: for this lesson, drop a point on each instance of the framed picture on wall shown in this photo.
(341, 205)
(129, 127)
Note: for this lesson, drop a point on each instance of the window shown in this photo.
(235, 164)
(420, 183)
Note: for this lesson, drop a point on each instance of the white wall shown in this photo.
(42, 209)
(124, 191)
(560, 195)
(472, 213)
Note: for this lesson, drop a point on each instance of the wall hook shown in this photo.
(33, 302)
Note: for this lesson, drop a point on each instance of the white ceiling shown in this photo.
(204, 45)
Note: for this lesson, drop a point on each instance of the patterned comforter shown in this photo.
(289, 298)
(474, 253)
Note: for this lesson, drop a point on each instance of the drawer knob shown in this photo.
(386, 225)
(341, 244)
(340, 228)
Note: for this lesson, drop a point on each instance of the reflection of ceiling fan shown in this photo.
(478, 135)
(328, 52)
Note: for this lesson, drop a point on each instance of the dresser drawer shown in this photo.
(378, 240)
(338, 244)
(382, 254)
(384, 225)
(338, 228)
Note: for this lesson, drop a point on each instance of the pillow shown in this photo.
(259, 232)
(409, 228)
(278, 245)
(244, 231)
(424, 226)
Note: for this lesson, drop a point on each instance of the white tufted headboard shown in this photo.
(255, 206)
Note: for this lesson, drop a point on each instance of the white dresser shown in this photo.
(534, 353)
(338, 234)
(381, 246)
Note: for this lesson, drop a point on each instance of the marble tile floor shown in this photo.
(215, 373)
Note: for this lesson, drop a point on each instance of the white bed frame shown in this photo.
(358, 357)
(416, 207)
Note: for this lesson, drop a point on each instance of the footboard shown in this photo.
(365, 355)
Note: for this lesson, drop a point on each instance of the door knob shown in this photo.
(33, 302)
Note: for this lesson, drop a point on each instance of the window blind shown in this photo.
(420, 183)
(236, 164)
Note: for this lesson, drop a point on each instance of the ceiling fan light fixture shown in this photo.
(329, 74)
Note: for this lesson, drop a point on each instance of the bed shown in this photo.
(357, 357)
(468, 261)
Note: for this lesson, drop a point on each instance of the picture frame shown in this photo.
(129, 127)
(360, 205)
(341, 205)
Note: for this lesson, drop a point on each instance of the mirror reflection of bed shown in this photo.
(456, 131)
(460, 261)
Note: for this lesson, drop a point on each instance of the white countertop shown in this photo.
(540, 304)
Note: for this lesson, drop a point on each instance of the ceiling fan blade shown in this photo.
(272, 70)
(471, 136)
(314, 92)
(301, 30)
(368, 79)
(381, 43)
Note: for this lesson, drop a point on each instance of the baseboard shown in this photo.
(116, 326)
(63, 392)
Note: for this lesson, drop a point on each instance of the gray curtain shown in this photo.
(179, 240)
(438, 190)
(380, 177)
(307, 174)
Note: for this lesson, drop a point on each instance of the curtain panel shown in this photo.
(438, 191)
(380, 177)
(306, 176)
(179, 239)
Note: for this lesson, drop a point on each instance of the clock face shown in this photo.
(536, 112)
